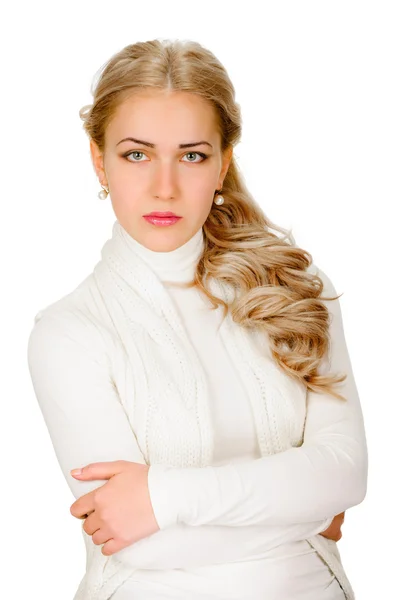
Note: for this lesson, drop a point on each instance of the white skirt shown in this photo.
(293, 571)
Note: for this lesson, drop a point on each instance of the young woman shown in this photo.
(194, 374)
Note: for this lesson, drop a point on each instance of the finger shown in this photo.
(82, 506)
(99, 537)
(91, 526)
(100, 470)
(77, 511)
(86, 515)
(110, 547)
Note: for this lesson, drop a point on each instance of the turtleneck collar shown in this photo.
(177, 265)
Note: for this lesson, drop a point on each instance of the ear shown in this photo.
(98, 162)
(227, 157)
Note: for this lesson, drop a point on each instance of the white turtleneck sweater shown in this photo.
(289, 570)
(295, 563)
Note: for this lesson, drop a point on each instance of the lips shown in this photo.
(161, 214)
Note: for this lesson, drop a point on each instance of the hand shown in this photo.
(120, 512)
(333, 532)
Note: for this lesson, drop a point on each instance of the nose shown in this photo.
(165, 182)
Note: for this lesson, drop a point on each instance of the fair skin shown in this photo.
(164, 178)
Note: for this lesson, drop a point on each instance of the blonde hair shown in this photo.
(276, 293)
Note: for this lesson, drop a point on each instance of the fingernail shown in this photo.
(76, 472)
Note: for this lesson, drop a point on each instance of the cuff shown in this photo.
(182, 495)
(163, 495)
(325, 524)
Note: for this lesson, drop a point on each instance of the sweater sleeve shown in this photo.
(80, 405)
(87, 423)
(325, 476)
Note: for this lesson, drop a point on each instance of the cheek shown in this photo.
(203, 185)
(122, 177)
(125, 184)
(202, 206)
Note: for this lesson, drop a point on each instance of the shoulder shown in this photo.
(72, 321)
(328, 286)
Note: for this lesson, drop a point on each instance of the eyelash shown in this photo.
(204, 156)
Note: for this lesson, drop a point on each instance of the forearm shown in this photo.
(325, 476)
(288, 488)
(208, 545)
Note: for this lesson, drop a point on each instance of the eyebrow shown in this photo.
(150, 145)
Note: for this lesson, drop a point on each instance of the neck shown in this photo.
(176, 266)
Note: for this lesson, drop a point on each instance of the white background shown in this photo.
(318, 85)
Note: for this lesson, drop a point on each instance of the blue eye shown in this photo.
(133, 152)
(204, 156)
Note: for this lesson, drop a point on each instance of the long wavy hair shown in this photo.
(274, 289)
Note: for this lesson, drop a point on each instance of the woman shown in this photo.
(193, 373)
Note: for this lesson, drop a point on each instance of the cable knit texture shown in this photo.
(168, 401)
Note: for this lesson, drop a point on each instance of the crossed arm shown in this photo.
(293, 495)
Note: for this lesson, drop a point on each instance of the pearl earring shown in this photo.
(219, 200)
(103, 193)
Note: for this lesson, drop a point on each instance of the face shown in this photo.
(166, 177)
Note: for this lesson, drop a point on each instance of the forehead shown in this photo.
(179, 116)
